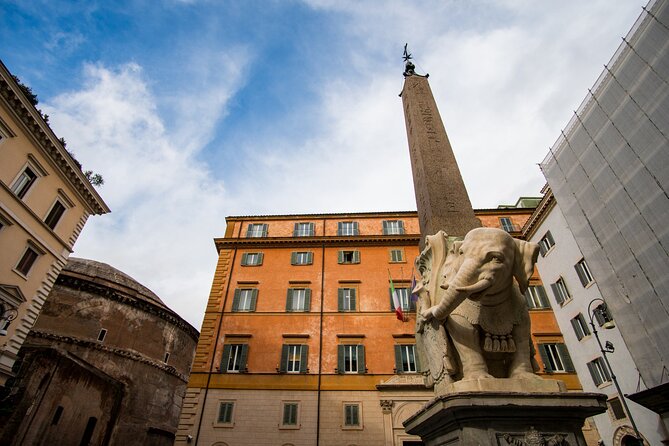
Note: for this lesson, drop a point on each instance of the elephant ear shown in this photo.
(523, 265)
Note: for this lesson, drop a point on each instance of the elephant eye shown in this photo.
(496, 257)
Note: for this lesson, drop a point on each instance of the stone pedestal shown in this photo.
(502, 418)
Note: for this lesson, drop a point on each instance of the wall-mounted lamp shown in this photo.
(6, 318)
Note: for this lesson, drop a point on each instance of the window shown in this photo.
(560, 291)
(294, 359)
(54, 215)
(290, 415)
(56, 416)
(351, 415)
(252, 258)
(347, 228)
(349, 257)
(546, 243)
(583, 273)
(102, 334)
(405, 358)
(555, 358)
(393, 227)
(303, 230)
(616, 409)
(602, 314)
(302, 258)
(245, 299)
(225, 410)
(599, 371)
(346, 299)
(27, 261)
(580, 326)
(535, 295)
(298, 299)
(166, 357)
(234, 358)
(396, 256)
(506, 224)
(351, 358)
(23, 183)
(257, 230)
(404, 296)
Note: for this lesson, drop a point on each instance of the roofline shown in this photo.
(46, 139)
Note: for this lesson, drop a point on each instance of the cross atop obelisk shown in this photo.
(441, 196)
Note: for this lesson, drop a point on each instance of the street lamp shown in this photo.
(608, 348)
(6, 316)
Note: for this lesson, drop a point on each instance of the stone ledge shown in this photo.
(507, 385)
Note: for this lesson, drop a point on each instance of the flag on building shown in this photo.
(396, 299)
(414, 296)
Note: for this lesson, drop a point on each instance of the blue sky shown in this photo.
(195, 110)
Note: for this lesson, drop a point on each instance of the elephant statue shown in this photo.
(472, 319)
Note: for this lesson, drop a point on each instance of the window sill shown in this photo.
(589, 284)
(549, 251)
(566, 302)
(605, 384)
(288, 427)
(223, 425)
(20, 274)
(352, 428)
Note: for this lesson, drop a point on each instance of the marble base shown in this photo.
(502, 418)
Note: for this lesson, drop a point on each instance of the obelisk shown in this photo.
(441, 196)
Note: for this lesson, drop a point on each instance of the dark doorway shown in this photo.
(88, 432)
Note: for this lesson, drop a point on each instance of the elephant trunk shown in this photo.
(456, 291)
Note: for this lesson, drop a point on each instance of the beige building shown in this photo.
(45, 200)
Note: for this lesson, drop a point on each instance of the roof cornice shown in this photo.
(282, 242)
(539, 215)
(46, 139)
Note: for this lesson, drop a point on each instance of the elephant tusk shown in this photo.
(475, 288)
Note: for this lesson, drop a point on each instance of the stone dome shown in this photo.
(111, 277)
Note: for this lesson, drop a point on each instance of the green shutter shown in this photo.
(307, 300)
(341, 299)
(575, 324)
(356, 256)
(260, 258)
(385, 227)
(340, 257)
(392, 302)
(415, 358)
(340, 227)
(254, 299)
(355, 228)
(566, 359)
(284, 359)
(312, 229)
(398, 359)
(544, 358)
(245, 259)
(235, 300)
(293, 258)
(310, 257)
(340, 359)
(401, 225)
(556, 293)
(289, 300)
(594, 373)
(581, 276)
(543, 297)
(225, 358)
(412, 303)
(304, 355)
(528, 299)
(243, 356)
(361, 359)
(265, 229)
(353, 300)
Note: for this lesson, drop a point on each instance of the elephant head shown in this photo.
(482, 267)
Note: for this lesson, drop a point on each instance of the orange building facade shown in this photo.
(300, 343)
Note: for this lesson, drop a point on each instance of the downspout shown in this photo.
(218, 335)
(320, 342)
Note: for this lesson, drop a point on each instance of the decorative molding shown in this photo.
(330, 241)
(348, 336)
(302, 335)
(386, 405)
(124, 353)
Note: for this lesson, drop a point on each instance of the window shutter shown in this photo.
(289, 300)
(293, 258)
(581, 275)
(543, 297)
(556, 293)
(254, 299)
(566, 359)
(415, 358)
(340, 257)
(356, 256)
(265, 229)
(225, 358)
(355, 228)
(353, 302)
(260, 257)
(412, 303)
(312, 229)
(284, 359)
(341, 299)
(542, 247)
(392, 303)
(398, 359)
(361, 359)
(235, 301)
(385, 227)
(577, 328)
(242, 357)
(296, 229)
(307, 300)
(304, 355)
(245, 259)
(400, 223)
(544, 358)
(310, 257)
(528, 299)
(340, 228)
(592, 368)
(340, 359)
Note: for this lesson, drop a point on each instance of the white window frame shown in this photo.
(347, 229)
(299, 299)
(506, 223)
(408, 354)
(304, 229)
(557, 362)
(580, 326)
(349, 406)
(535, 297)
(584, 274)
(598, 372)
(285, 405)
(397, 255)
(546, 243)
(234, 364)
(252, 258)
(294, 358)
(393, 227)
(303, 258)
(560, 291)
(346, 301)
(245, 300)
(257, 230)
(351, 358)
(404, 296)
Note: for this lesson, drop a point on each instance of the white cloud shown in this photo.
(166, 205)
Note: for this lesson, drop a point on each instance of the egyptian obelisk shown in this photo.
(441, 196)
